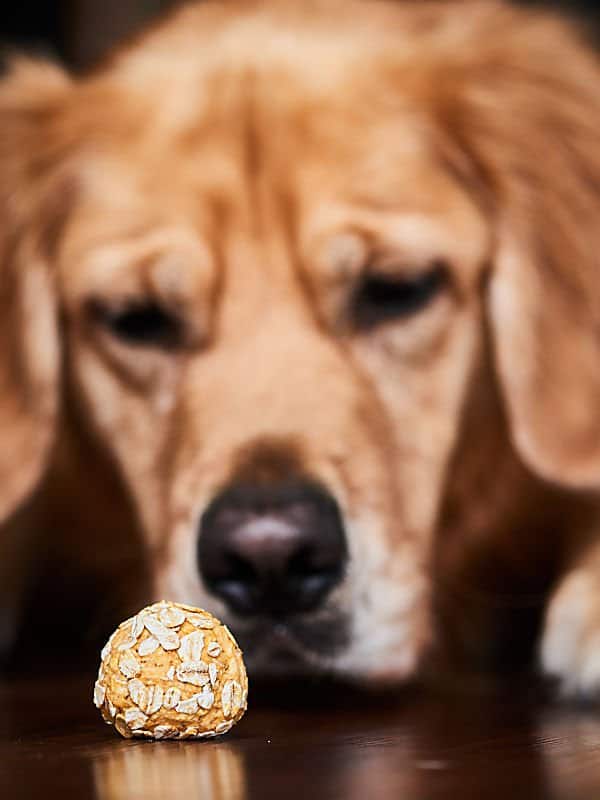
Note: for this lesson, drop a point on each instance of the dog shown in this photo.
(307, 295)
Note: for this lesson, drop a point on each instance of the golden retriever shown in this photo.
(314, 287)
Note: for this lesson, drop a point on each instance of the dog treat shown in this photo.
(171, 672)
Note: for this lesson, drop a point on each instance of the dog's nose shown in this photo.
(272, 550)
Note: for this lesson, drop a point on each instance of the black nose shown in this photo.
(272, 550)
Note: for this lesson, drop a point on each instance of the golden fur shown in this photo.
(245, 163)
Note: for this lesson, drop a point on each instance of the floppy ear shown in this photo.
(531, 121)
(29, 353)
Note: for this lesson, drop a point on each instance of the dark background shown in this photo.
(80, 31)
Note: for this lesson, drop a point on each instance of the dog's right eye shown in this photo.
(142, 324)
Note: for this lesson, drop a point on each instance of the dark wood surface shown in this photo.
(305, 742)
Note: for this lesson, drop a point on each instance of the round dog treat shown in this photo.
(171, 672)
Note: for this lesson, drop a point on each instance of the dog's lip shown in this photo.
(294, 641)
(283, 647)
(284, 641)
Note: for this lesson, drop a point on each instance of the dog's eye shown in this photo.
(380, 298)
(140, 323)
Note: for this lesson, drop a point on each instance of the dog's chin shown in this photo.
(280, 657)
(323, 649)
(292, 648)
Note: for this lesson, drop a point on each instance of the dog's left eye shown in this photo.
(381, 298)
(143, 323)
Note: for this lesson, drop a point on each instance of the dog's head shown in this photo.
(268, 249)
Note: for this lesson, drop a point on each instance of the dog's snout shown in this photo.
(272, 550)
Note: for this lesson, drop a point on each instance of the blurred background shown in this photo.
(80, 31)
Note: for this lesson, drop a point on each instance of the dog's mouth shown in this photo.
(292, 646)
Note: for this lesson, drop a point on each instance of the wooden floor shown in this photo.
(305, 742)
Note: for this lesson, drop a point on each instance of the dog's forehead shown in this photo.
(256, 123)
(323, 39)
(276, 84)
(270, 134)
